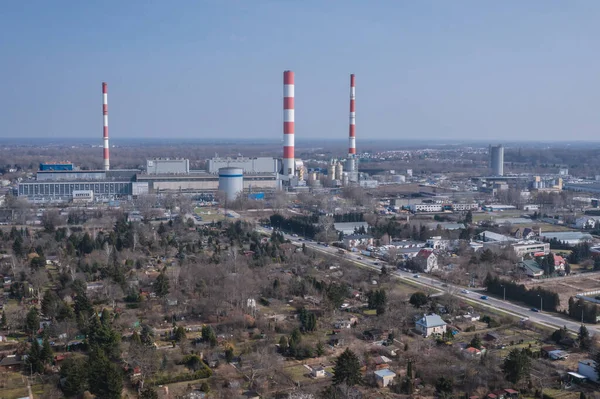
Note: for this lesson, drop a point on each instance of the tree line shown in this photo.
(535, 297)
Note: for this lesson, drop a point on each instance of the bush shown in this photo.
(173, 378)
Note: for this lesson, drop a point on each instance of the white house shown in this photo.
(427, 260)
(432, 324)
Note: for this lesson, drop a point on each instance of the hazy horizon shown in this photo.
(494, 72)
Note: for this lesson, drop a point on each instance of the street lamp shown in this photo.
(541, 303)
(582, 308)
(504, 291)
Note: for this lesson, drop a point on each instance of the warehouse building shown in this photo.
(158, 166)
(249, 165)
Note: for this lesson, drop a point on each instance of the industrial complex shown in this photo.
(64, 181)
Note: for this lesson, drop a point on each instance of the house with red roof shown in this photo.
(427, 260)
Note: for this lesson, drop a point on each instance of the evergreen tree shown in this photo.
(46, 354)
(17, 247)
(32, 321)
(469, 217)
(50, 304)
(34, 358)
(320, 349)
(208, 335)
(583, 337)
(179, 334)
(476, 342)
(347, 369)
(516, 366)
(148, 393)
(161, 285)
(418, 299)
(283, 344)
(105, 379)
(444, 387)
(73, 376)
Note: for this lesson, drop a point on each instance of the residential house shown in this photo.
(317, 372)
(531, 268)
(587, 368)
(427, 260)
(345, 323)
(471, 317)
(374, 334)
(472, 353)
(558, 355)
(545, 350)
(559, 261)
(524, 233)
(492, 337)
(381, 362)
(384, 377)
(431, 324)
(12, 363)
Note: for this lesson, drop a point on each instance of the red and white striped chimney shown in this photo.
(352, 131)
(288, 123)
(105, 117)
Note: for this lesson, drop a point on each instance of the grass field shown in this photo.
(297, 373)
(209, 214)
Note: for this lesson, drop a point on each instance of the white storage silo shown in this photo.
(231, 182)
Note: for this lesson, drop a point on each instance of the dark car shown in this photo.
(484, 297)
(534, 310)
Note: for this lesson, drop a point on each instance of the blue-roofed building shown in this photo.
(430, 325)
(384, 377)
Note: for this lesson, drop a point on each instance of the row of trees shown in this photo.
(583, 310)
(535, 297)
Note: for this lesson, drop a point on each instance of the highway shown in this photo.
(547, 319)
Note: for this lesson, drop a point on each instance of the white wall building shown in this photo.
(426, 207)
(432, 324)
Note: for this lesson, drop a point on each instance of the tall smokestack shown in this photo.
(105, 117)
(288, 123)
(352, 131)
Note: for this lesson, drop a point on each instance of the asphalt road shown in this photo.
(548, 319)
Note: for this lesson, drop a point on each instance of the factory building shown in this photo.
(497, 160)
(249, 165)
(203, 182)
(46, 166)
(176, 166)
(231, 182)
(46, 191)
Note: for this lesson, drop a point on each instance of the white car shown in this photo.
(465, 292)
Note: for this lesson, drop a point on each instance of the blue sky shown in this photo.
(497, 70)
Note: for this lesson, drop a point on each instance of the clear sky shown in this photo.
(497, 70)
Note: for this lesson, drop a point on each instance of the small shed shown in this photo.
(384, 377)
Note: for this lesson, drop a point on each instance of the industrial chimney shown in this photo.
(288, 123)
(105, 131)
(352, 131)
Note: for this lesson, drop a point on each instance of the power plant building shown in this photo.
(249, 165)
(159, 166)
(231, 182)
(497, 160)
